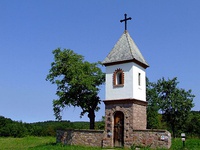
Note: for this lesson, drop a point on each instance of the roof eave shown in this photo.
(126, 61)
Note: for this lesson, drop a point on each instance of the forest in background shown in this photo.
(10, 128)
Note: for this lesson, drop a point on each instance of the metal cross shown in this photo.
(125, 20)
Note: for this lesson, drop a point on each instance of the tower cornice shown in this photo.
(128, 100)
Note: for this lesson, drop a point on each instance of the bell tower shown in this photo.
(125, 100)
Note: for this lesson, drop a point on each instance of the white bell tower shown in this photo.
(125, 71)
(125, 100)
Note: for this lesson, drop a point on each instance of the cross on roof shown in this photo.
(125, 20)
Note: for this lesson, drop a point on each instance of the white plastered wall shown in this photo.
(131, 88)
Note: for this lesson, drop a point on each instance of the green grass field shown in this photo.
(48, 143)
(37, 143)
(190, 144)
(25, 143)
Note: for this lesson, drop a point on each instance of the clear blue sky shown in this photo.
(167, 33)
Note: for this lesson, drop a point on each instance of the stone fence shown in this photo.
(150, 138)
(98, 138)
(80, 137)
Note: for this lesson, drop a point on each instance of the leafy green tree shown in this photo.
(193, 124)
(175, 103)
(77, 83)
(153, 119)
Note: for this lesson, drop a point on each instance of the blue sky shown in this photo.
(167, 33)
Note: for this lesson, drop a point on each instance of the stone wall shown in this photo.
(134, 117)
(139, 117)
(133, 110)
(80, 137)
(138, 138)
(149, 138)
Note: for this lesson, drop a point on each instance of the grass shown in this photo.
(37, 143)
(177, 144)
(190, 144)
(24, 143)
(48, 143)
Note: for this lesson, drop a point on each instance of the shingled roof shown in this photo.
(125, 50)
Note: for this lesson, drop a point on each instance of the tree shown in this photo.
(193, 124)
(153, 120)
(175, 103)
(77, 83)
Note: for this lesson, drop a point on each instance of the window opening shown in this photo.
(139, 79)
(118, 78)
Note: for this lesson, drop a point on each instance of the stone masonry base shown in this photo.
(140, 138)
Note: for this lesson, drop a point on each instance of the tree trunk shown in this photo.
(91, 115)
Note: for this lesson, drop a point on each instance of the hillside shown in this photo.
(12, 128)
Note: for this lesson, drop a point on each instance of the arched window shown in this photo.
(118, 77)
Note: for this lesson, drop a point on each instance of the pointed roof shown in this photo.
(125, 50)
